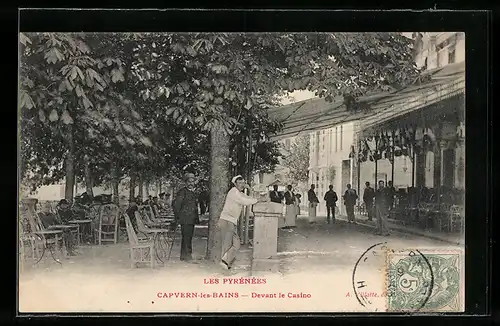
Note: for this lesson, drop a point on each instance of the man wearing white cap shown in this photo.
(235, 200)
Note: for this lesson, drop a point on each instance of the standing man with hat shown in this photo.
(350, 197)
(186, 214)
(313, 203)
(235, 200)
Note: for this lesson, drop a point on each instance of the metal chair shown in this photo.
(45, 239)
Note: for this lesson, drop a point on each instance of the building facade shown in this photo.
(330, 148)
(330, 160)
(436, 50)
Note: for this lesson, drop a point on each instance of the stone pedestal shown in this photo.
(265, 236)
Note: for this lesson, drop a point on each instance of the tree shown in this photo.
(297, 159)
(71, 105)
(210, 79)
(219, 84)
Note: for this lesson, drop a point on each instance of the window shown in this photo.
(331, 140)
(341, 138)
(323, 140)
(451, 55)
(336, 133)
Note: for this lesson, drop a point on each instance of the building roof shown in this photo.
(317, 114)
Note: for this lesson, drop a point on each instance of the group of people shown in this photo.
(185, 205)
(292, 205)
(63, 214)
(350, 196)
(379, 203)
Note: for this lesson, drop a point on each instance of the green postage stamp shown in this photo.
(425, 281)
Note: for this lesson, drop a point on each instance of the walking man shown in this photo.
(368, 196)
(235, 200)
(186, 214)
(350, 197)
(381, 208)
(331, 202)
(313, 204)
(290, 212)
(275, 195)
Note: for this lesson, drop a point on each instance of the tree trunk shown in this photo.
(114, 183)
(141, 188)
(219, 180)
(70, 167)
(89, 183)
(131, 194)
(147, 188)
(242, 155)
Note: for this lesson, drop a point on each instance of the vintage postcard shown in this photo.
(242, 172)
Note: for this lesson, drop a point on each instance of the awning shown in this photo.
(317, 114)
(451, 85)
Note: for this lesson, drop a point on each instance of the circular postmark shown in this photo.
(410, 280)
(391, 280)
(368, 279)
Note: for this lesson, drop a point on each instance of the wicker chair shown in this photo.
(456, 218)
(107, 228)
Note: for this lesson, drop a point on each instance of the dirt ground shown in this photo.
(316, 275)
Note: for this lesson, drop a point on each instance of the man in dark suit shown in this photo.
(368, 196)
(186, 214)
(313, 203)
(275, 195)
(382, 208)
(290, 212)
(350, 197)
(331, 202)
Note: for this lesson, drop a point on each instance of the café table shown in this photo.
(84, 225)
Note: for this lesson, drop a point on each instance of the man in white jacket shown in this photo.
(235, 200)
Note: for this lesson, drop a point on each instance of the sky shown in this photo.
(298, 96)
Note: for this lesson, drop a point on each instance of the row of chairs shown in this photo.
(104, 221)
(448, 218)
(155, 233)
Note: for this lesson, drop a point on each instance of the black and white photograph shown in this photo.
(216, 172)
